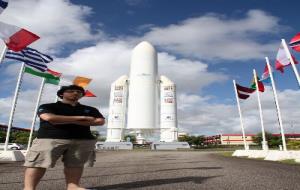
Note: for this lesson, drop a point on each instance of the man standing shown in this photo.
(64, 131)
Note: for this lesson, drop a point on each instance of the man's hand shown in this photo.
(87, 118)
(91, 121)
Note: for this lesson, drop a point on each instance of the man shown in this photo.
(64, 131)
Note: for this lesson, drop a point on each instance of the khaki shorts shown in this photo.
(75, 153)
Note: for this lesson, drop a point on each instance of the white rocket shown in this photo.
(151, 101)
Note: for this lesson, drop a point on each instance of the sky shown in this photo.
(202, 46)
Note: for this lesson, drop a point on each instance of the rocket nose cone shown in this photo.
(145, 47)
(143, 60)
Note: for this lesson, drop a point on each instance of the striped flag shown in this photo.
(295, 42)
(46, 75)
(243, 92)
(3, 5)
(31, 57)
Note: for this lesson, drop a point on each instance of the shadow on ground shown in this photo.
(155, 182)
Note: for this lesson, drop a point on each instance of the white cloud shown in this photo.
(189, 76)
(198, 116)
(214, 36)
(57, 22)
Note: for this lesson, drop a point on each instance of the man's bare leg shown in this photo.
(33, 177)
(73, 176)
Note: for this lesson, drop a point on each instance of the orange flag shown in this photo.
(81, 81)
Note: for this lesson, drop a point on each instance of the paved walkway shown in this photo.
(164, 170)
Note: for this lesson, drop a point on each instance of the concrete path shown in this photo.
(164, 170)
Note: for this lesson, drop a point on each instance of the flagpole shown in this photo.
(277, 104)
(2, 55)
(287, 52)
(240, 113)
(35, 112)
(264, 142)
(12, 112)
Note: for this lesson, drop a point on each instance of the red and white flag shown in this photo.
(295, 42)
(265, 77)
(244, 92)
(282, 60)
(16, 38)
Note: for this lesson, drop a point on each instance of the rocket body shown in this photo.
(143, 88)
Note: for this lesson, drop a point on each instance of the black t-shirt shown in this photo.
(66, 131)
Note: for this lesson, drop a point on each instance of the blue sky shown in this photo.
(202, 46)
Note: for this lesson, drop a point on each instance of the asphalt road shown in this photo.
(164, 170)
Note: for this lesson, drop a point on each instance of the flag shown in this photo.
(3, 5)
(265, 77)
(66, 80)
(282, 60)
(58, 78)
(16, 38)
(89, 94)
(243, 92)
(30, 57)
(77, 80)
(54, 81)
(48, 76)
(261, 86)
(295, 42)
(81, 81)
(55, 73)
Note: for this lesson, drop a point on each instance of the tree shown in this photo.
(132, 138)
(2, 136)
(192, 140)
(98, 136)
(185, 138)
(273, 141)
(101, 138)
(95, 134)
(21, 137)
